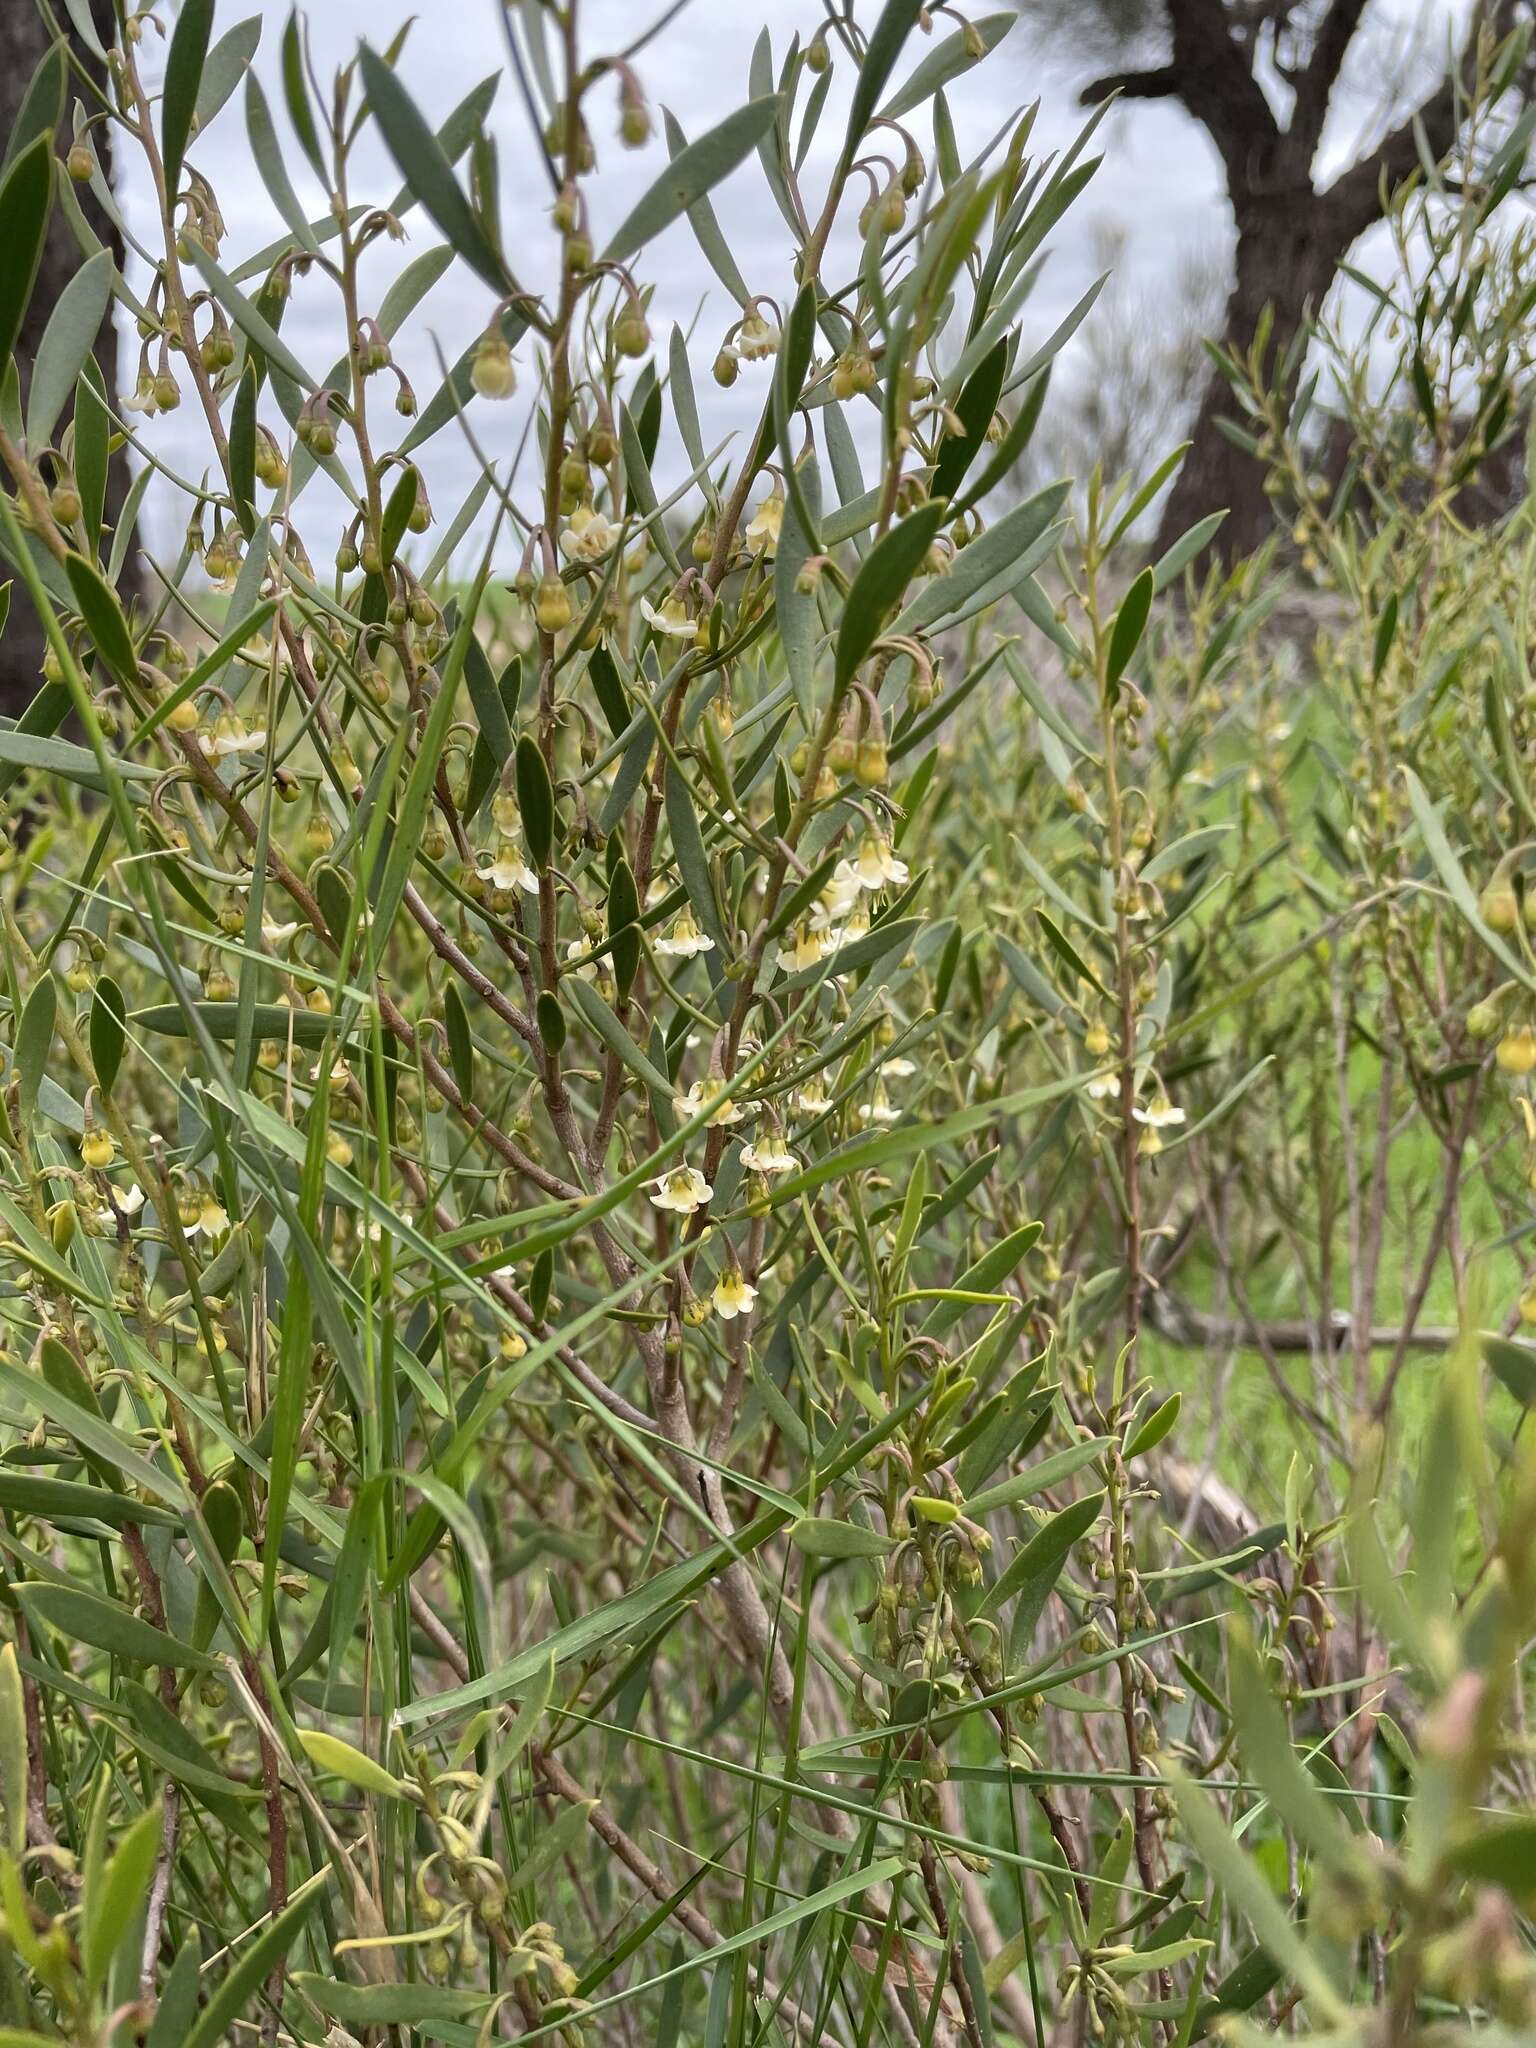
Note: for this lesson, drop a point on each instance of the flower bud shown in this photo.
(96, 1148)
(1498, 906)
(271, 467)
(566, 211)
(319, 833)
(492, 372)
(64, 501)
(871, 765)
(727, 368)
(631, 336)
(62, 1224)
(552, 605)
(1482, 1019)
(1516, 1050)
(81, 163)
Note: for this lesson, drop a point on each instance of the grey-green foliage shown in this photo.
(595, 1159)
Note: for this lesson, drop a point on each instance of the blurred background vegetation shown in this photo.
(767, 1140)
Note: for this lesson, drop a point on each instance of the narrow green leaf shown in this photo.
(107, 1031)
(1501, 1852)
(183, 77)
(421, 161)
(224, 67)
(1155, 1428)
(1248, 1890)
(13, 1752)
(896, 23)
(553, 1841)
(178, 1997)
(26, 193)
(693, 172)
(823, 1536)
(253, 1966)
(975, 409)
(110, 1908)
(398, 508)
(1031, 1577)
(535, 801)
(623, 927)
(296, 97)
(67, 341)
(461, 1046)
(105, 1625)
(1052, 1471)
(55, 1500)
(389, 2005)
(881, 583)
(103, 615)
(950, 60)
(600, 1017)
(34, 1042)
(41, 111)
(1129, 624)
(338, 1759)
(266, 153)
(692, 859)
(984, 1277)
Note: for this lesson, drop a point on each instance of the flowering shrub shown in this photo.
(597, 1148)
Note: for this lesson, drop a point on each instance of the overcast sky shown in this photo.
(1159, 179)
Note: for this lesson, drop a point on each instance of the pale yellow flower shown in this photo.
(805, 947)
(733, 1296)
(689, 1105)
(877, 866)
(683, 1190)
(769, 1155)
(588, 535)
(765, 526)
(1158, 1114)
(509, 870)
(756, 338)
(685, 939)
(672, 619)
(878, 1109)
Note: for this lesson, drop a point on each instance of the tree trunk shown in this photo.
(1287, 254)
(24, 41)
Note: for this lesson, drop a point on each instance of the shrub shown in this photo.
(595, 1169)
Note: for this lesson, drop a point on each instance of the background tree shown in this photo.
(1262, 76)
(33, 68)
(1120, 399)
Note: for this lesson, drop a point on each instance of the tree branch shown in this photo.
(1177, 1323)
(1161, 84)
(1353, 201)
(1314, 86)
(1221, 92)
